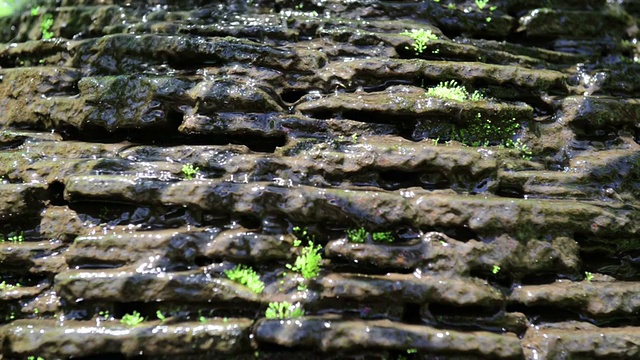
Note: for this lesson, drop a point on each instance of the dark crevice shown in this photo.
(293, 96)
(510, 191)
(539, 279)
(108, 356)
(543, 314)
(411, 313)
(445, 310)
(249, 221)
(145, 310)
(167, 137)
(397, 179)
(346, 266)
(459, 233)
(203, 261)
(56, 194)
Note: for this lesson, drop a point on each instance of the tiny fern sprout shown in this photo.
(357, 235)
(246, 276)
(284, 310)
(132, 319)
(189, 171)
(420, 39)
(308, 262)
(383, 236)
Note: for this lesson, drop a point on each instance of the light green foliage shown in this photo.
(420, 39)
(357, 235)
(246, 276)
(588, 276)
(104, 314)
(35, 358)
(308, 262)
(189, 171)
(495, 269)
(450, 90)
(283, 310)
(481, 3)
(161, 316)
(202, 319)
(382, 236)
(5, 286)
(360, 235)
(35, 11)
(302, 234)
(14, 238)
(45, 27)
(524, 150)
(132, 319)
(451, 6)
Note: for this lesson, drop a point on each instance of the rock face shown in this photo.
(149, 149)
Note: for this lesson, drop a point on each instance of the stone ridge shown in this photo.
(150, 148)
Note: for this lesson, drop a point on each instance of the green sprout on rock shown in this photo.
(45, 27)
(481, 3)
(588, 276)
(284, 310)
(189, 171)
(383, 236)
(246, 276)
(420, 39)
(161, 316)
(450, 90)
(5, 286)
(357, 235)
(360, 235)
(308, 262)
(132, 319)
(495, 269)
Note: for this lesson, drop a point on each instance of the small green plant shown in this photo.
(189, 171)
(308, 262)
(495, 269)
(588, 276)
(34, 358)
(16, 238)
(284, 310)
(132, 319)
(45, 27)
(202, 319)
(450, 90)
(246, 276)
(420, 39)
(357, 235)
(161, 316)
(525, 151)
(481, 3)
(104, 314)
(383, 236)
(483, 131)
(451, 6)
(5, 286)
(35, 10)
(302, 234)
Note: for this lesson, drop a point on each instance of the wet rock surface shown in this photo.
(149, 148)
